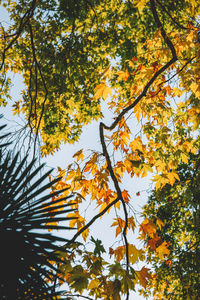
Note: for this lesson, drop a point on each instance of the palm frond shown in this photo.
(27, 212)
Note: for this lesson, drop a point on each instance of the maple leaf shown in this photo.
(111, 251)
(93, 284)
(161, 180)
(148, 228)
(123, 75)
(135, 254)
(131, 223)
(172, 177)
(78, 278)
(99, 248)
(120, 225)
(153, 242)
(79, 155)
(119, 253)
(126, 196)
(163, 251)
(160, 223)
(102, 90)
(137, 145)
(143, 276)
(85, 233)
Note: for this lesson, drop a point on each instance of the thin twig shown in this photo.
(78, 295)
(168, 13)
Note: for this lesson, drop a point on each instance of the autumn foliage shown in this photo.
(142, 59)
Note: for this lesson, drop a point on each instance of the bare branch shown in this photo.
(92, 221)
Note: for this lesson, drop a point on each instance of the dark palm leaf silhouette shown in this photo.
(28, 250)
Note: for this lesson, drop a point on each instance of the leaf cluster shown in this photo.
(178, 208)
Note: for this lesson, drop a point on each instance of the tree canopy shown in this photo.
(141, 58)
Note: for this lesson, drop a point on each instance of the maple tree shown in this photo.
(142, 58)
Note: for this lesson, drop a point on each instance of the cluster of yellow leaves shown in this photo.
(134, 254)
(140, 4)
(121, 224)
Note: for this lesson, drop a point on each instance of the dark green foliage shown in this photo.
(178, 207)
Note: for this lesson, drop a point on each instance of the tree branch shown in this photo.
(102, 126)
(92, 221)
(119, 193)
(77, 295)
(44, 84)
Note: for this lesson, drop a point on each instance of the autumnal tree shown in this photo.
(177, 208)
(142, 58)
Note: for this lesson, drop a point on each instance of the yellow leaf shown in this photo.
(178, 93)
(195, 87)
(120, 225)
(135, 254)
(117, 205)
(140, 4)
(160, 180)
(137, 145)
(163, 251)
(102, 90)
(104, 205)
(79, 155)
(72, 222)
(172, 177)
(160, 223)
(184, 158)
(131, 223)
(93, 284)
(160, 165)
(85, 234)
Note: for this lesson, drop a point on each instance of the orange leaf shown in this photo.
(148, 227)
(143, 276)
(119, 253)
(111, 251)
(123, 75)
(120, 225)
(126, 196)
(131, 223)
